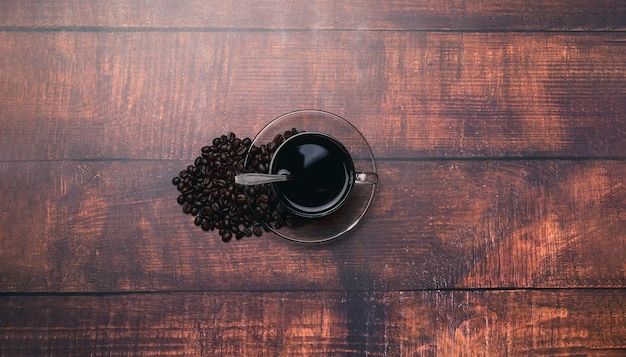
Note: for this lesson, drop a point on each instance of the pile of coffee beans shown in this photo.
(207, 189)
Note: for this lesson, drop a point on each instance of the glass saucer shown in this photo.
(337, 224)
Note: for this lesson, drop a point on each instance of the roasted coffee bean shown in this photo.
(257, 231)
(241, 150)
(198, 220)
(271, 147)
(176, 180)
(227, 236)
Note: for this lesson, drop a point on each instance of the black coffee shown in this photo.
(322, 173)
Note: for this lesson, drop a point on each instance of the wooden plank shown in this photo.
(320, 14)
(451, 323)
(414, 95)
(115, 226)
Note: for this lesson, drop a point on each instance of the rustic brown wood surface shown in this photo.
(498, 226)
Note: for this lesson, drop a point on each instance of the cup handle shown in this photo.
(366, 177)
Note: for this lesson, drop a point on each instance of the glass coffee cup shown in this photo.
(321, 173)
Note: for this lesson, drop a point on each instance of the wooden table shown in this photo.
(498, 227)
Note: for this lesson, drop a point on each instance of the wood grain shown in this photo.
(414, 95)
(318, 15)
(498, 227)
(115, 226)
(429, 323)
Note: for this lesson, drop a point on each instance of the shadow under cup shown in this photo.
(322, 174)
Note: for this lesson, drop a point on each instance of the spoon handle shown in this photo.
(251, 179)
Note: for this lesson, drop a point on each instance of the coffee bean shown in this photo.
(241, 151)
(271, 147)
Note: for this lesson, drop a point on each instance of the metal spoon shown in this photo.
(251, 179)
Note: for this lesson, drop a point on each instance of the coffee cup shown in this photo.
(321, 171)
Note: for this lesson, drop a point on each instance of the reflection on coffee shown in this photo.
(322, 172)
